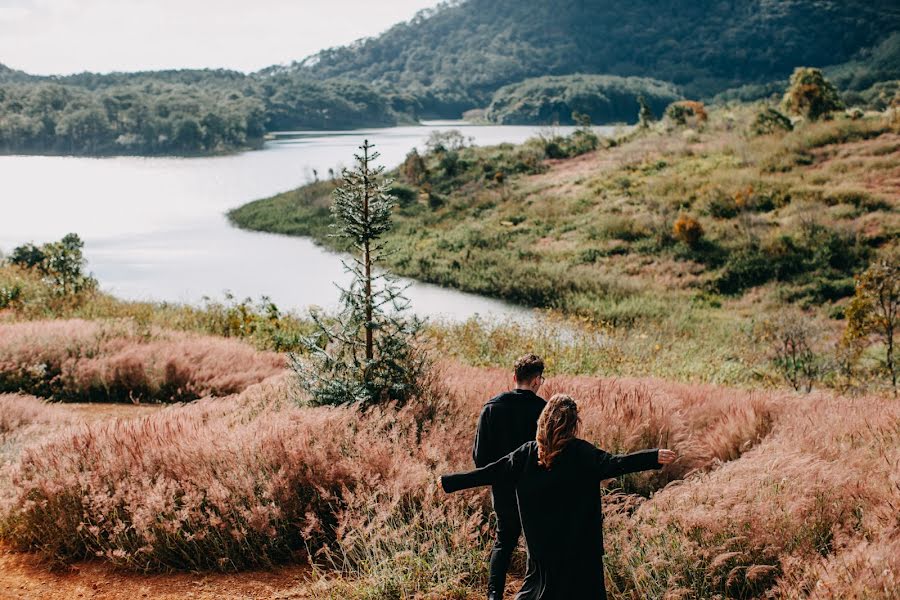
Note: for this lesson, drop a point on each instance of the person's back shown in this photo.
(507, 421)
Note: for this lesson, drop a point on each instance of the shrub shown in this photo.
(440, 142)
(810, 94)
(619, 227)
(645, 113)
(817, 249)
(404, 194)
(413, 168)
(746, 267)
(688, 230)
(769, 121)
(10, 295)
(27, 256)
(61, 264)
(875, 308)
(687, 112)
(791, 336)
(722, 206)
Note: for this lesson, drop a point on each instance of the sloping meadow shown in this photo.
(774, 493)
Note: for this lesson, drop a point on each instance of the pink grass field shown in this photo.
(77, 360)
(775, 494)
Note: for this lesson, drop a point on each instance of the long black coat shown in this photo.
(560, 511)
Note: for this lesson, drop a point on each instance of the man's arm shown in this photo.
(481, 450)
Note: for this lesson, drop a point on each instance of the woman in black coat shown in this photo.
(557, 480)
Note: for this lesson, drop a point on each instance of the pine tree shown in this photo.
(371, 352)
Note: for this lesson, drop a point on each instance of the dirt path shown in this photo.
(23, 577)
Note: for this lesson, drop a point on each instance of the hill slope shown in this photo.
(456, 56)
(596, 235)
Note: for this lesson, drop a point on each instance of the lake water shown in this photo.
(155, 228)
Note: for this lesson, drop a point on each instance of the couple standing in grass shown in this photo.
(545, 481)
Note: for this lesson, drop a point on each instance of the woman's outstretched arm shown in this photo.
(609, 465)
(503, 471)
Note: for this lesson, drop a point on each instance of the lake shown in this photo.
(155, 228)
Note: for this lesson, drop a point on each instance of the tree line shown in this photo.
(175, 112)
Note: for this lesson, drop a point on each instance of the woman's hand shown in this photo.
(666, 456)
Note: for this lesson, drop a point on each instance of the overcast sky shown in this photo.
(68, 36)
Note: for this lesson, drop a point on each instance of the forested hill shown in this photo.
(177, 111)
(454, 57)
(7, 74)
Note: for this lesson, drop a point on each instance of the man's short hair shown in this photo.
(528, 367)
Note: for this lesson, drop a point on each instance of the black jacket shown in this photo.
(560, 511)
(507, 421)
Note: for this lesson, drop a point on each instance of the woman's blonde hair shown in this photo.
(556, 427)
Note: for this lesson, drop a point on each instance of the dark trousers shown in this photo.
(509, 528)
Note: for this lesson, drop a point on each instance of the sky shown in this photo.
(59, 37)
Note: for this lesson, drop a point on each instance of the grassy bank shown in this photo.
(679, 241)
(797, 213)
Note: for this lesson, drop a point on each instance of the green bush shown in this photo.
(816, 250)
(769, 120)
(61, 264)
(721, 206)
(747, 267)
(811, 95)
(404, 194)
(10, 295)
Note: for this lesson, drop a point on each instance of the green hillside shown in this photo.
(456, 56)
(661, 217)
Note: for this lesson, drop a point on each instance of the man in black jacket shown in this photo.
(507, 421)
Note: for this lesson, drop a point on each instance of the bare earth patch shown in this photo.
(23, 577)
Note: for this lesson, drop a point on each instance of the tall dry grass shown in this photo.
(707, 425)
(23, 420)
(110, 361)
(774, 495)
(18, 411)
(781, 519)
(238, 482)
